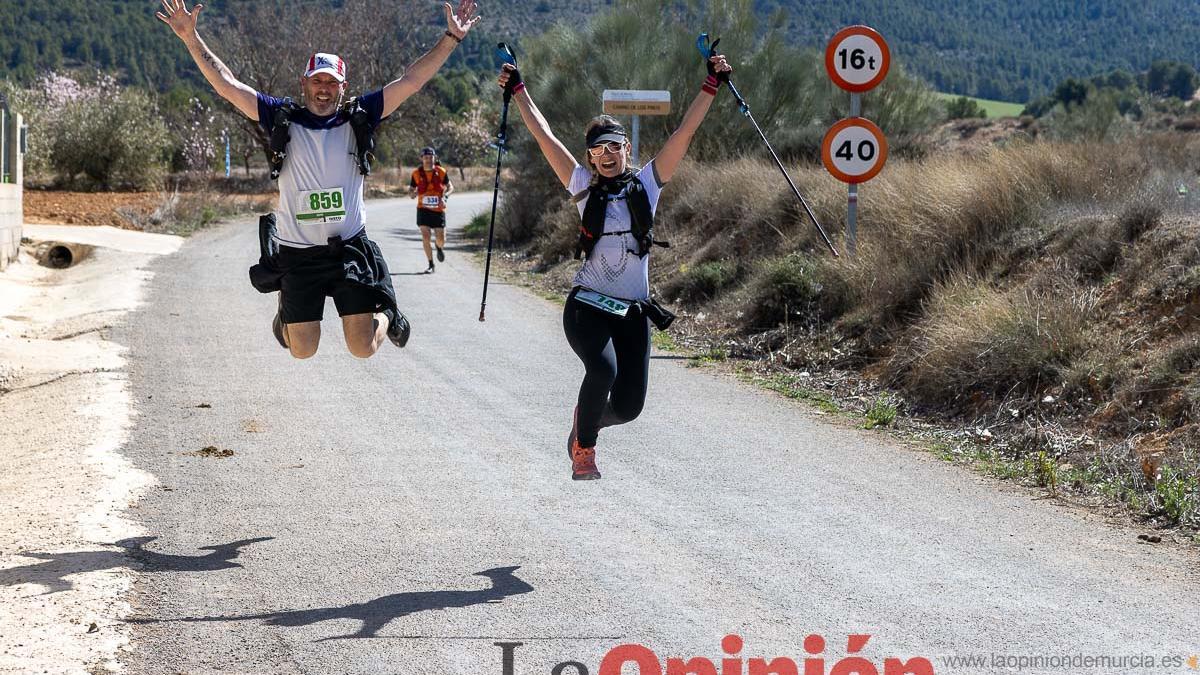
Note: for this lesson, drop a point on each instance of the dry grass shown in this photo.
(183, 213)
(918, 220)
(924, 219)
(976, 341)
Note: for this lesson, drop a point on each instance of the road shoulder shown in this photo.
(64, 488)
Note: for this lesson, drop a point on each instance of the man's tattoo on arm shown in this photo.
(215, 63)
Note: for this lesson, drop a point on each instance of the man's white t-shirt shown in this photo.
(614, 268)
(320, 188)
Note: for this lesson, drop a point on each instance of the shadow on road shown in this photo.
(376, 614)
(57, 566)
(455, 241)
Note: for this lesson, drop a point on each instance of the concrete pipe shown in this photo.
(61, 254)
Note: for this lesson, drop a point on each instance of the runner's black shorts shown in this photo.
(427, 218)
(314, 274)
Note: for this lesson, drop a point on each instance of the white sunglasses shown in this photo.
(612, 146)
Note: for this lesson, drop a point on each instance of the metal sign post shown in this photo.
(852, 205)
(637, 129)
(854, 151)
(636, 102)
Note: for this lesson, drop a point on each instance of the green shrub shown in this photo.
(702, 282)
(1092, 246)
(1098, 118)
(1169, 369)
(1139, 218)
(477, 227)
(183, 213)
(1178, 495)
(964, 107)
(108, 137)
(795, 288)
(1044, 469)
(882, 413)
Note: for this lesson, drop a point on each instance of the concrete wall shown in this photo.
(12, 213)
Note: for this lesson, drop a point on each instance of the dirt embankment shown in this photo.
(88, 208)
(118, 209)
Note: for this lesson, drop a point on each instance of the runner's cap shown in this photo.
(326, 63)
(428, 151)
(604, 133)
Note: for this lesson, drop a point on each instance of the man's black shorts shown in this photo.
(314, 274)
(426, 218)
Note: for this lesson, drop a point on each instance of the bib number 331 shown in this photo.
(322, 206)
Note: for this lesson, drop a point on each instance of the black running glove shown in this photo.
(712, 69)
(722, 76)
(515, 82)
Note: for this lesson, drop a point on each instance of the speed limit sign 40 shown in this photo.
(857, 59)
(854, 150)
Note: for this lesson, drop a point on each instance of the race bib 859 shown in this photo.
(322, 206)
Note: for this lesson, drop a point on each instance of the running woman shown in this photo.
(607, 314)
(323, 247)
(430, 185)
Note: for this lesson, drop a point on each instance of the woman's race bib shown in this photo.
(431, 201)
(322, 206)
(601, 301)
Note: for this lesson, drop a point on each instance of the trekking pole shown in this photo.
(708, 51)
(506, 56)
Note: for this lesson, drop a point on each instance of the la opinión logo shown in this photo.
(732, 663)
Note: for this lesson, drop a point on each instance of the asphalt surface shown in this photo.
(403, 513)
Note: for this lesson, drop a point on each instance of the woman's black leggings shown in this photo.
(616, 355)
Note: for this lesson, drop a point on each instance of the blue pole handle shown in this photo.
(505, 55)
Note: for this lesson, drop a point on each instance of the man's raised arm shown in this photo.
(176, 15)
(458, 23)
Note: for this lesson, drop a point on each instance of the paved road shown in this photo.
(401, 514)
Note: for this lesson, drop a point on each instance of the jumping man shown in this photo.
(323, 249)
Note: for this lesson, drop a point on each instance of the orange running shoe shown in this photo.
(583, 463)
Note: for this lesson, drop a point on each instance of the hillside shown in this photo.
(1011, 51)
(125, 37)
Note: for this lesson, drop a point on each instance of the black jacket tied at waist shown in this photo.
(362, 262)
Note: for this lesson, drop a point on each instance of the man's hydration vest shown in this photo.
(360, 123)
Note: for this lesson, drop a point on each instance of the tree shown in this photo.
(1071, 92)
(463, 140)
(376, 40)
(1117, 79)
(1183, 82)
(964, 107)
(108, 135)
(1170, 78)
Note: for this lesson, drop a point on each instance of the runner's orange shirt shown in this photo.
(431, 187)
